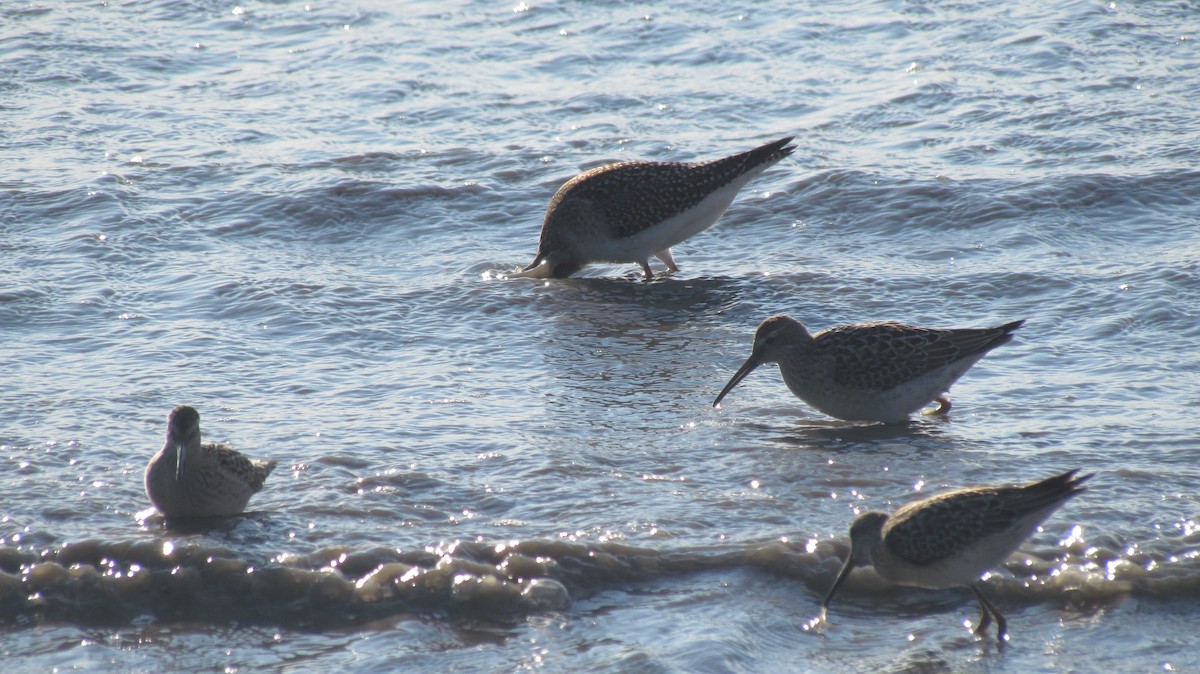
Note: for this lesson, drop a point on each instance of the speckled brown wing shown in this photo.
(880, 356)
(633, 196)
(942, 526)
(253, 473)
(929, 531)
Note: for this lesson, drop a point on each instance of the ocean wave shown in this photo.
(119, 582)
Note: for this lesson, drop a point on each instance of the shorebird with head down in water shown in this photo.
(632, 211)
(869, 371)
(189, 479)
(952, 539)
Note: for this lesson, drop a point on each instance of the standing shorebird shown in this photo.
(869, 371)
(632, 211)
(952, 539)
(189, 479)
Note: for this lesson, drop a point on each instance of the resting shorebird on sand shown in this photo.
(632, 211)
(869, 371)
(189, 479)
(950, 540)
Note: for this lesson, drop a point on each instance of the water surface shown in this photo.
(299, 218)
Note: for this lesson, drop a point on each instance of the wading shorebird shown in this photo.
(952, 539)
(189, 479)
(869, 371)
(632, 211)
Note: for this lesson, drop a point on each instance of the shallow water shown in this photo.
(299, 218)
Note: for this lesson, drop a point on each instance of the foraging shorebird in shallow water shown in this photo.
(869, 371)
(189, 479)
(632, 211)
(952, 539)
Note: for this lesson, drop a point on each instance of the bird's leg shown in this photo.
(646, 268)
(943, 405)
(985, 617)
(665, 256)
(986, 607)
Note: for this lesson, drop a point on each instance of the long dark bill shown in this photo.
(752, 362)
(178, 461)
(842, 576)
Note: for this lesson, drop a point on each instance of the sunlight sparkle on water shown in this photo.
(1075, 535)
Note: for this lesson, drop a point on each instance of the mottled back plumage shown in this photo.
(942, 526)
(253, 472)
(885, 354)
(630, 196)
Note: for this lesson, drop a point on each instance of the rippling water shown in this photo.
(299, 218)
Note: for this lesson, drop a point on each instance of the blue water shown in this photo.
(300, 218)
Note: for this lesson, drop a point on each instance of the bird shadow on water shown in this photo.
(668, 292)
(947, 658)
(822, 434)
(663, 292)
(232, 526)
(939, 630)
